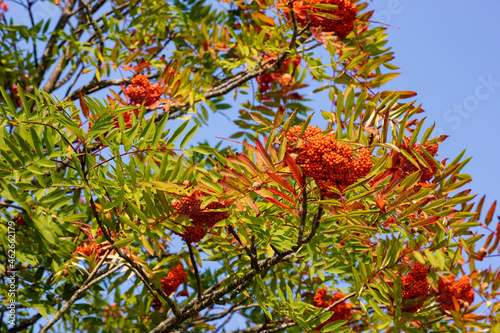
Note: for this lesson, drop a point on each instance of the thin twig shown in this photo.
(47, 53)
(302, 214)
(196, 272)
(253, 258)
(25, 323)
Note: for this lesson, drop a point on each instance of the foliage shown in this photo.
(111, 221)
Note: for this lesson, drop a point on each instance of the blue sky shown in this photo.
(448, 53)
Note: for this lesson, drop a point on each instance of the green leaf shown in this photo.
(124, 242)
(375, 307)
(260, 119)
(382, 79)
(178, 131)
(189, 136)
(7, 100)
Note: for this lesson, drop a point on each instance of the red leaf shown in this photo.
(282, 182)
(277, 203)
(281, 194)
(85, 109)
(381, 204)
(141, 66)
(489, 216)
(264, 154)
(246, 162)
(295, 170)
(236, 174)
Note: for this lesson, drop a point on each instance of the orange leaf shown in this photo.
(489, 216)
(278, 203)
(282, 182)
(381, 204)
(85, 109)
(294, 168)
(281, 194)
(141, 66)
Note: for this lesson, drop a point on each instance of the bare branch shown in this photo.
(47, 53)
(26, 323)
(334, 304)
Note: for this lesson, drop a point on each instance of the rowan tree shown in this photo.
(114, 220)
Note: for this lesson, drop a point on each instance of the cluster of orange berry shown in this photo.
(330, 163)
(3, 6)
(415, 287)
(341, 311)
(400, 162)
(142, 90)
(201, 218)
(91, 247)
(265, 80)
(306, 12)
(171, 282)
(112, 312)
(450, 289)
(20, 221)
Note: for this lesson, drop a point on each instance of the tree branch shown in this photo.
(86, 285)
(97, 85)
(26, 323)
(236, 286)
(196, 273)
(133, 266)
(47, 53)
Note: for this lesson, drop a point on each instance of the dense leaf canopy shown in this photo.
(114, 220)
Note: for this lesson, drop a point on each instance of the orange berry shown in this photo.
(340, 311)
(415, 285)
(448, 289)
(141, 90)
(330, 163)
(305, 13)
(201, 218)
